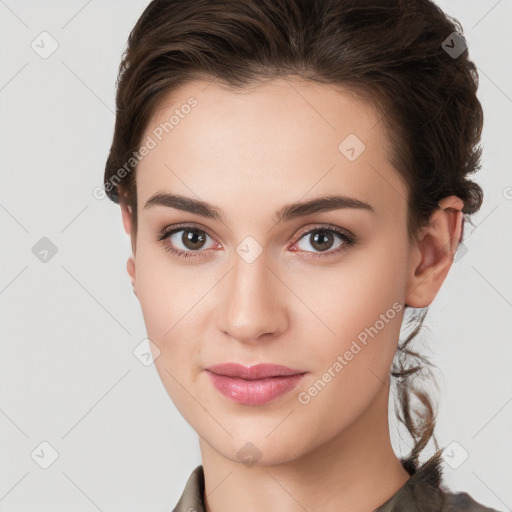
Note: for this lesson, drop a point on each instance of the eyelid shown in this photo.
(178, 227)
(326, 227)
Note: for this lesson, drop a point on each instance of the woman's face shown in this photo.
(259, 289)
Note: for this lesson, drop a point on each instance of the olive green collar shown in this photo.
(420, 493)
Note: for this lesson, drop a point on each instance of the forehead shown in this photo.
(266, 144)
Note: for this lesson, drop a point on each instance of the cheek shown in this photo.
(360, 305)
(353, 294)
(166, 291)
(167, 295)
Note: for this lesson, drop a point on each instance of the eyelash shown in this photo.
(349, 240)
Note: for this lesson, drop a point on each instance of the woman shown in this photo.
(248, 135)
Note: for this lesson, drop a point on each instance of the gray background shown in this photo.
(70, 324)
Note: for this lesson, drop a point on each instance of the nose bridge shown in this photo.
(250, 305)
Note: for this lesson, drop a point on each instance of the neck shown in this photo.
(355, 471)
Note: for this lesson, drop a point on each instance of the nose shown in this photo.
(252, 305)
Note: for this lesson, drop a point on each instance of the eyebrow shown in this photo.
(288, 212)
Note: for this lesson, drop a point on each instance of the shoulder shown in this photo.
(461, 501)
(192, 497)
(425, 492)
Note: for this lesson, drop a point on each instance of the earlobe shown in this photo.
(432, 258)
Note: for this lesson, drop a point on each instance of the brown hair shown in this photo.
(390, 52)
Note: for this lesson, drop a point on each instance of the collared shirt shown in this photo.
(421, 493)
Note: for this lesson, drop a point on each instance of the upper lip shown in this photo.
(254, 372)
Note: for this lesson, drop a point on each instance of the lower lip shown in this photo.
(254, 392)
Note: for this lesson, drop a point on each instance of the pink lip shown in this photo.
(253, 385)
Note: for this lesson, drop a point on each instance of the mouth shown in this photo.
(254, 372)
(254, 385)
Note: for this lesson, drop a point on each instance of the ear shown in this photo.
(126, 213)
(127, 223)
(432, 257)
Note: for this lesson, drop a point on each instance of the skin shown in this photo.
(250, 153)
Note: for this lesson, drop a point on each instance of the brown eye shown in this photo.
(185, 241)
(193, 239)
(323, 239)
